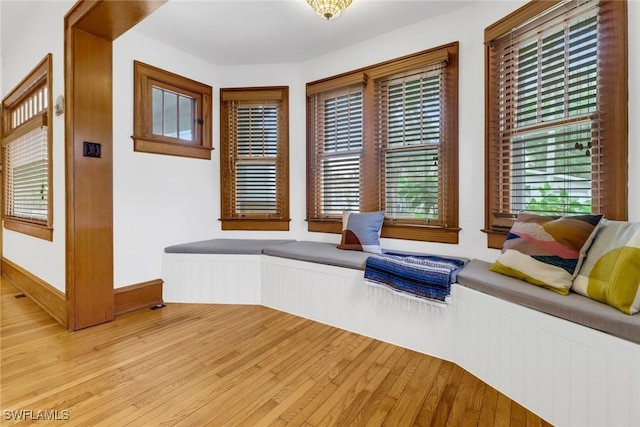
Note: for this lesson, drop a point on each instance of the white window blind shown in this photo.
(254, 129)
(408, 133)
(338, 150)
(27, 178)
(26, 157)
(549, 126)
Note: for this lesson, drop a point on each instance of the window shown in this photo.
(26, 145)
(254, 158)
(172, 114)
(337, 156)
(385, 138)
(557, 112)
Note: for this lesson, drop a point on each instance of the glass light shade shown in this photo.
(329, 9)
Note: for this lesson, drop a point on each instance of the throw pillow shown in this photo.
(547, 250)
(361, 231)
(611, 271)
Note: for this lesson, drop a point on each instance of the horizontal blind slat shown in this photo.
(27, 176)
(543, 75)
(254, 132)
(409, 133)
(338, 123)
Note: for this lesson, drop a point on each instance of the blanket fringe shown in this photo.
(403, 300)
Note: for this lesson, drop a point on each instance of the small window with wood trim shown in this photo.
(172, 114)
(26, 144)
(385, 138)
(557, 112)
(254, 158)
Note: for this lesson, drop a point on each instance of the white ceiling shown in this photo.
(237, 32)
(13, 15)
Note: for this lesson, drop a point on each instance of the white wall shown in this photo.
(163, 200)
(466, 26)
(276, 75)
(42, 258)
(152, 210)
(158, 200)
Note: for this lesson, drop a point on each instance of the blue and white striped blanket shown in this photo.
(426, 277)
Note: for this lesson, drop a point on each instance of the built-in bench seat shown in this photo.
(476, 275)
(224, 271)
(319, 253)
(226, 246)
(327, 254)
(546, 351)
(573, 307)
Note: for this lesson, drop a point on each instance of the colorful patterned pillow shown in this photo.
(361, 231)
(547, 250)
(611, 271)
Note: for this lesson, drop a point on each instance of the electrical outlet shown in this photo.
(91, 149)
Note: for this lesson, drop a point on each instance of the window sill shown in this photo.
(35, 230)
(147, 145)
(327, 226)
(421, 233)
(403, 232)
(495, 239)
(253, 224)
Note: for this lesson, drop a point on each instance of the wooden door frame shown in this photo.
(2, 182)
(89, 30)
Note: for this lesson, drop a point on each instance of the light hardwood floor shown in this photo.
(196, 365)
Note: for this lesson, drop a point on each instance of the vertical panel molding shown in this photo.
(90, 27)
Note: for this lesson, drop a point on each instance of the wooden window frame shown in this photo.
(144, 140)
(39, 77)
(370, 179)
(614, 99)
(230, 218)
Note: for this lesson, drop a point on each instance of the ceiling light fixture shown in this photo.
(329, 9)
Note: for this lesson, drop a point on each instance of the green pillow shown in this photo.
(611, 271)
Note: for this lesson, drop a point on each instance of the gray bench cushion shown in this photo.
(226, 246)
(329, 254)
(573, 307)
(320, 253)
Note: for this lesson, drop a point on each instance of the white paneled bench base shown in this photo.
(338, 297)
(222, 271)
(565, 372)
(212, 278)
(568, 373)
